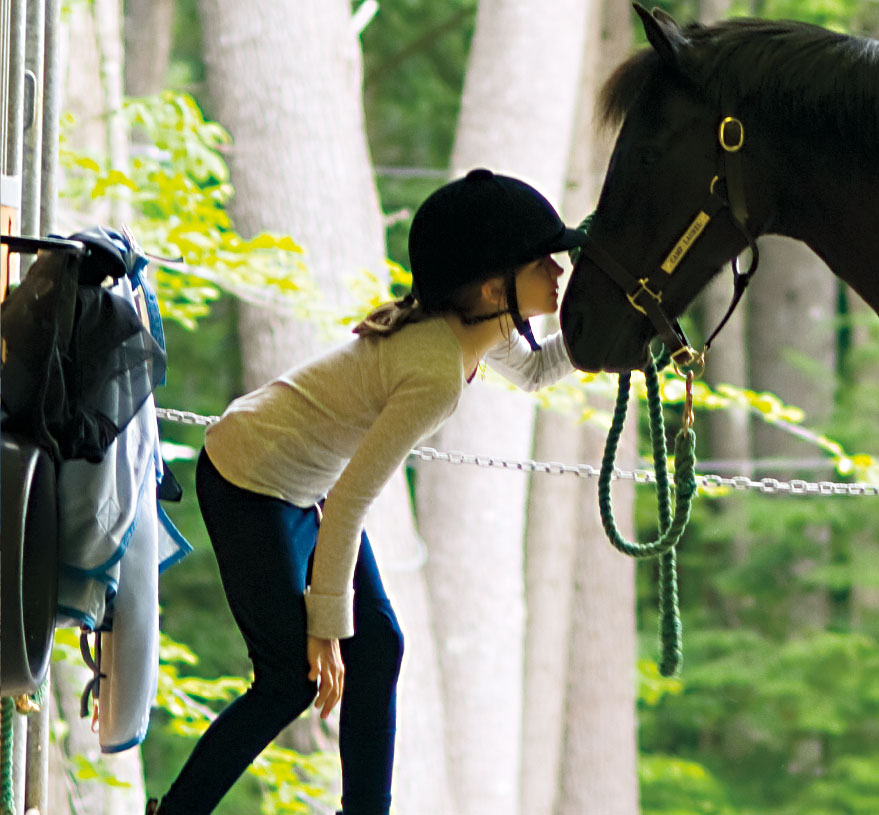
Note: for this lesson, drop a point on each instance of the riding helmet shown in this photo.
(477, 227)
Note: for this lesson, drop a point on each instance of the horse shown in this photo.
(727, 132)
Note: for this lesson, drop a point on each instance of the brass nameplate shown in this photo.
(683, 245)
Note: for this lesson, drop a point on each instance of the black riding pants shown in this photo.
(264, 548)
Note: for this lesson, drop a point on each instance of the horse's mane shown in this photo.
(790, 72)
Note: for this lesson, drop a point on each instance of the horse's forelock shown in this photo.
(622, 87)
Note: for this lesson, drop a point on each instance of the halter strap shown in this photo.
(735, 191)
(645, 294)
(669, 331)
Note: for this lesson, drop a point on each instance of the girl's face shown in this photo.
(537, 287)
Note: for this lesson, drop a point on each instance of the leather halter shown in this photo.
(645, 293)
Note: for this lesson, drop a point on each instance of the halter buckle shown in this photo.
(643, 287)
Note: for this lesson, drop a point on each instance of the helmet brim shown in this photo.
(567, 239)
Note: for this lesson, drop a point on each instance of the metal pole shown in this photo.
(33, 137)
(14, 90)
(51, 118)
(19, 759)
(36, 786)
(12, 150)
(37, 780)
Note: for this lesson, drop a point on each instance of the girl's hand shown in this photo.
(325, 659)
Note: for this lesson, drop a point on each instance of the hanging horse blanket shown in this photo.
(79, 369)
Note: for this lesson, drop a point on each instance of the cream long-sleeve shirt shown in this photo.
(338, 427)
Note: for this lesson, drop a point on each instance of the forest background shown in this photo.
(281, 150)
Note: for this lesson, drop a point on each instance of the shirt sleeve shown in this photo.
(527, 369)
(415, 409)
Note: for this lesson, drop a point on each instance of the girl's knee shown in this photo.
(391, 637)
(287, 693)
(378, 638)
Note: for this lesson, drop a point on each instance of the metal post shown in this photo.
(36, 787)
(13, 88)
(33, 135)
(19, 759)
(51, 117)
(14, 22)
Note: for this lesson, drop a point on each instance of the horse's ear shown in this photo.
(663, 33)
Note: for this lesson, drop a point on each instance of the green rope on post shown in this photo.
(7, 789)
(671, 526)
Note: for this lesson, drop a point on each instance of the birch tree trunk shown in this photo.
(285, 79)
(729, 431)
(92, 93)
(516, 118)
(598, 768)
(793, 308)
(148, 36)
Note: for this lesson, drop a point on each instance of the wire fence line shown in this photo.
(739, 483)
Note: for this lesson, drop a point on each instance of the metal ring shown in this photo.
(731, 148)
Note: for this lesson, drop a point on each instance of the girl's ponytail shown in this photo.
(390, 317)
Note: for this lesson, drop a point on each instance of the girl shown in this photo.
(288, 473)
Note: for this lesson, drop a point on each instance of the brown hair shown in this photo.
(392, 316)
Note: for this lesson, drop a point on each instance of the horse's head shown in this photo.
(662, 226)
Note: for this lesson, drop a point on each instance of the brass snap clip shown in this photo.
(687, 418)
(688, 361)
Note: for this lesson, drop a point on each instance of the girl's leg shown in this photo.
(263, 547)
(368, 712)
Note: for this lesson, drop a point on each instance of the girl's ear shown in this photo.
(493, 290)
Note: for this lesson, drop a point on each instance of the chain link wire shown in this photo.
(739, 483)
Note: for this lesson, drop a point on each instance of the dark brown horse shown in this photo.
(730, 131)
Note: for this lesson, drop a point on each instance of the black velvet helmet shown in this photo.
(477, 227)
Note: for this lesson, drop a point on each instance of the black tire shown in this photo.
(28, 565)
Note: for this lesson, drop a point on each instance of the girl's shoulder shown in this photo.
(427, 347)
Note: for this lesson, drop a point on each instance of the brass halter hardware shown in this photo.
(634, 295)
(685, 358)
(721, 135)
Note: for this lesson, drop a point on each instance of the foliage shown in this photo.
(673, 786)
(770, 716)
(297, 782)
(177, 188)
(777, 699)
(853, 16)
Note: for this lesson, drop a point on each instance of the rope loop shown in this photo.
(671, 524)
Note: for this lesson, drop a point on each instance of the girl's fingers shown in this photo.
(328, 671)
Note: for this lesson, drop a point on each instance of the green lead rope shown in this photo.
(8, 710)
(7, 791)
(671, 527)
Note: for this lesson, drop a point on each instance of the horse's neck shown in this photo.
(842, 227)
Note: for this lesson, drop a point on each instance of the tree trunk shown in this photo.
(71, 793)
(148, 37)
(285, 79)
(92, 94)
(598, 773)
(728, 431)
(710, 11)
(792, 310)
(516, 117)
